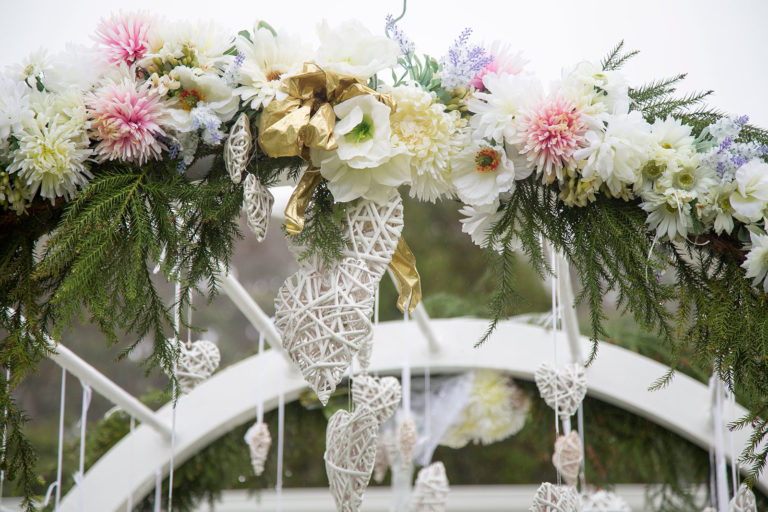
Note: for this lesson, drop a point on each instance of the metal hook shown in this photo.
(389, 25)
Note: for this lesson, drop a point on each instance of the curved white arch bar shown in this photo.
(229, 398)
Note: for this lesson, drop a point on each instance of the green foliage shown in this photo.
(322, 228)
(617, 57)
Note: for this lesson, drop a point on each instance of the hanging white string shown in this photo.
(280, 430)
(427, 403)
(129, 504)
(83, 423)
(158, 489)
(260, 383)
(720, 464)
(554, 333)
(60, 456)
(734, 458)
(177, 326)
(712, 485)
(580, 426)
(5, 433)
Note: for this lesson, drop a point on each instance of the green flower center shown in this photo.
(486, 160)
(666, 145)
(652, 170)
(363, 132)
(685, 179)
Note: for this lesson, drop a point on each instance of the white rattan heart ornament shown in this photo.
(430, 494)
(555, 498)
(324, 320)
(567, 457)
(744, 501)
(350, 453)
(238, 147)
(407, 436)
(564, 387)
(603, 501)
(258, 202)
(381, 395)
(258, 439)
(196, 363)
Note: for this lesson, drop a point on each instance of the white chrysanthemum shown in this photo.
(14, 106)
(496, 109)
(33, 68)
(756, 263)
(431, 136)
(51, 158)
(481, 173)
(202, 43)
(366, 163)
(616, 153)
(496, 409)
(351, 49)
(596, 91)
(714, 207)
(199, 97)
(267, 58)
(750, 199)
(78, 67)
(478, 222)
(671, 148)
(66, 107)
(667, 215)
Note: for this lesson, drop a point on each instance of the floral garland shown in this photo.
(146, 107)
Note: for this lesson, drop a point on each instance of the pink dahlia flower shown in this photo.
(504, 62)
(548, 135)
(125, 119)
(125, 37)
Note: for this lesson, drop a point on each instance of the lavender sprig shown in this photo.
(463, 62)
(407, 47)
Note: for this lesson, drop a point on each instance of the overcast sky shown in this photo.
(721, 44)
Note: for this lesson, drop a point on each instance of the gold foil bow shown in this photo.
(305, 119)
(299, 200)
(403, 266)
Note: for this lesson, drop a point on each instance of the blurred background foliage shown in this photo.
(457, 281)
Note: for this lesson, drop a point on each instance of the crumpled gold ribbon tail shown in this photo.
(403, 266)
(297, 203)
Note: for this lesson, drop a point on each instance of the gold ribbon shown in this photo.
(403, 266)
(305, 119)
(299, 200)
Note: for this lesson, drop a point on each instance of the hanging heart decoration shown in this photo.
(196, 363)
(743, 501)
(238, 147)
(323, 323)
(603, 501)
(564, 387)
(430, 494)
(381, 395)
(258, 439)
(567, 457)
(555, 498)
(350, 453)
(407, 437)
(258, 202)
(381, 464)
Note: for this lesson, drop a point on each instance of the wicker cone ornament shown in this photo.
(258, 439)
(564, 387)
(555, 498)
(407, 437)
(350, 453)
(381, 395)
(567, 457)
(430, 493)
(258, 206)
(743, 501)
(196, 363)
(238, 147)
(381, 464)
(603, 501)
(323, 320)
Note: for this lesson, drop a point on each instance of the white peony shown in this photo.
(756, 263)
(266, 59)
(200, 99)
(751, 196)
(14, 106)
(616, 153)
(482, 172)
(508, 95)
(351, 49)
(366, 163)
(430, 135)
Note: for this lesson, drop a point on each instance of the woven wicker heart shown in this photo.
(603, 501)
(258, 439)
(196, 363)
(382, 396)
(324, 320)
(373, 231)
(350, 452)
(744, 501)
(555, 498)
(430, 493)
(258, 202)
(237, 148)
(563, 388)
(567, 457)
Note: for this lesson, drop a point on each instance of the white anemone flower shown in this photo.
(756, 263)
(750, 198)
(616, 153)
(199, 98)
(482, 172)
(266, 60)
(351, 49)
(478, 222)
(508, 95)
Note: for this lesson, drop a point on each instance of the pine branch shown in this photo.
(615, 58)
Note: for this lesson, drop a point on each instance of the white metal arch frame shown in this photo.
(229, 398)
